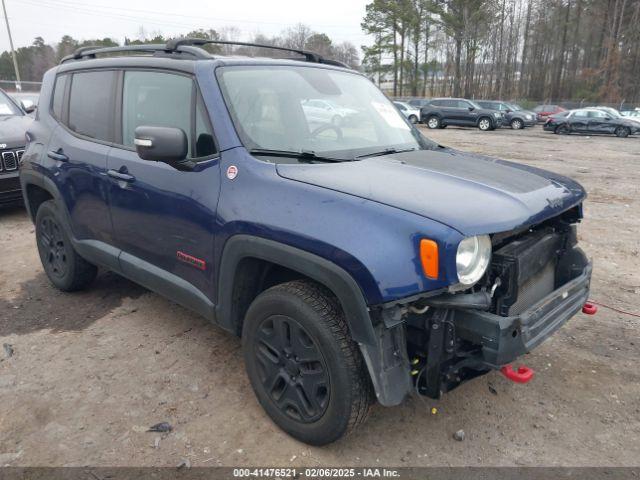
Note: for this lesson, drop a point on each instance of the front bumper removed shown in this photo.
(503, 339)
(462, 341)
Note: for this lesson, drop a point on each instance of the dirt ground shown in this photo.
(91, 371)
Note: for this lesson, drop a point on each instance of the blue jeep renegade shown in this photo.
(289, 202)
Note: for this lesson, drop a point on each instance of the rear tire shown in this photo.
(67, 270)
(622, 132)
(413, 119)
(306, 371)
(433, 122)
(485, 124)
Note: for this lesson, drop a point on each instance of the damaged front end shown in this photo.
(538, 279)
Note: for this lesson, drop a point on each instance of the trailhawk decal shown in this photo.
(191, 260)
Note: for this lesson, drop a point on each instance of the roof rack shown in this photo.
(155, 48)
(189, 46)
(313, 57)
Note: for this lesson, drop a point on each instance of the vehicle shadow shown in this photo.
(40, 306)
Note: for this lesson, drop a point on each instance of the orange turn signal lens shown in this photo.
(429, 258)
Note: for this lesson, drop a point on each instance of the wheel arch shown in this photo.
(37, 190)
(488, 117)
(250, 264)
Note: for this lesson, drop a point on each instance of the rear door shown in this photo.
(163, 218)
(84, 104)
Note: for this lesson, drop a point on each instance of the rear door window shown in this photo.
(92, 103)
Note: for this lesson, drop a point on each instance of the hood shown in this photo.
(632, 123)
(471, 193)
(12, 130)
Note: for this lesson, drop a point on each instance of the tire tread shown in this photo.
(327, 306)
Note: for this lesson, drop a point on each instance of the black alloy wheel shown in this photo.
(305, 369)
(67, 270)
(292, 369)
(53, 249)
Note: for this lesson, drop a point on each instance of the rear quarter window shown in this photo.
(58, 96)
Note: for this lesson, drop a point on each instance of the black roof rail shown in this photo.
(188, 46)
(156, 48)
(176, 43)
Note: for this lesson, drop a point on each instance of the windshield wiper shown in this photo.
(306, 155)
(387, 151)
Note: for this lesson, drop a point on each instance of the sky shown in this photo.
(51, 19)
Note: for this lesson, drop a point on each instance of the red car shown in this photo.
(544, 111)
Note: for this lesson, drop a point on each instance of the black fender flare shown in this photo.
(389, 372)
(308, 264)
(30, 177)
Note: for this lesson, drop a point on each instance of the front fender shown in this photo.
(317, 268)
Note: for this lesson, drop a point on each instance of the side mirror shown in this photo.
(471, 109)
(28, 106)
(161, 144)
(607, 118)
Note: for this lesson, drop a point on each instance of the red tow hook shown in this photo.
(522, 375)
(589, 308)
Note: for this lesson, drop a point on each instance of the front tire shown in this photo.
(562, 130)
(484, 124)
(433, 122)
(517, 124)
(622, 132)
(306, 371)
(67, 270)
(413, 119)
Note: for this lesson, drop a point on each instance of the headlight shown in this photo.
(529, 117)
(472, 259)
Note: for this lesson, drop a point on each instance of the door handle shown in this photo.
(57, 155)
(125, 177)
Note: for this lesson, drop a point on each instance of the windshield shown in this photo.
(514, 106)
(306, 109)
(611, 111)
(7, 107)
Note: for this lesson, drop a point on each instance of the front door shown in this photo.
(600, 122)
(163, 218)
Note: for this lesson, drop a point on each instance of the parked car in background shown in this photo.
(631, 113)
(441, 112)
(545, 111)
(14, 122)
(321, 111)
(412, 113)
(418, 102)
(616, 114)
(514, 115)
(592, 121)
